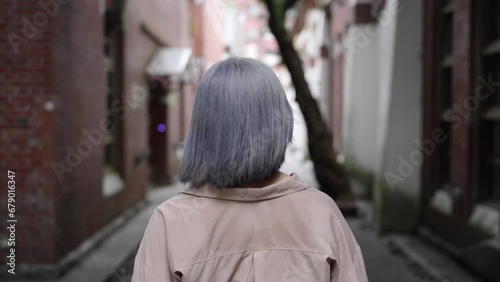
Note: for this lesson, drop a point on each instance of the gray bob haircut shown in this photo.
(240, 128)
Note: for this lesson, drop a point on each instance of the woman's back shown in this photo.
(242, 219)
(286, 231)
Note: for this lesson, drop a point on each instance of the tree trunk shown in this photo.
(330, 175)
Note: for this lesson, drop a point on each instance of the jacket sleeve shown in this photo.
(353, 271)
(350, 263)
(151, 262)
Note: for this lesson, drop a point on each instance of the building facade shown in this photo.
(415, 103)
(75, 117)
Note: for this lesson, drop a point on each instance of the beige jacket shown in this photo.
(283, 232)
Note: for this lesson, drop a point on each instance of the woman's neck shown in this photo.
(273, 179)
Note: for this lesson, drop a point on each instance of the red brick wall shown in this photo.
(79, 87)
(27, 130)
(59, 78)
(52, 90)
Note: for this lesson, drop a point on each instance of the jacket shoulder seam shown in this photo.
(251, 250)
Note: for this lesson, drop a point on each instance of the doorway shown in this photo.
(158, 120)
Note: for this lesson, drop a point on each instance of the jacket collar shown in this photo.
(291, 185)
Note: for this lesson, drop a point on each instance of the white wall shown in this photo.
(383, 88)
(400, 118)
(386, 41)
(360, 98)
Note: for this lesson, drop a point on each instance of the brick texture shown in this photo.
(52, 89)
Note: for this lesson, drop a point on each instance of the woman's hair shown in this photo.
(240, 128)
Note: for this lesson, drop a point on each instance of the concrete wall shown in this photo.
(355, 89)
(361, 95)
(382, 109)
(397, 188)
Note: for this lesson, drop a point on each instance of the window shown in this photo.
(110, 48)
(113, 61)
(112, 182)
(444, 89)
(489, 116)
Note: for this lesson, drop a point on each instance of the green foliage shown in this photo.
(276, 9)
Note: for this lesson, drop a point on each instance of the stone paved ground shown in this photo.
(124, 273)
(383, 260)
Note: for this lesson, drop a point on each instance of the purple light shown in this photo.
(161, 127)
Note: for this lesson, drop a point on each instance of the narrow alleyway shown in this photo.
(384, 261)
